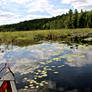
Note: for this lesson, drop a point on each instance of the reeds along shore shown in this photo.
(30, 37)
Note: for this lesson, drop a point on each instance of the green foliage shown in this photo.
(82, 20)
(68, 20)
(76, 19)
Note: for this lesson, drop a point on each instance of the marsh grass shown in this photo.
(31, 37)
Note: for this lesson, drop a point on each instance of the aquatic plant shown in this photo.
(32, 37)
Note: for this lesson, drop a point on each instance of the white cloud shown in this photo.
(56, 12)
(6, 14)
(33, 9)
(45, 6)
(79, 4)
(3, 3)
(29, 17)
(38, 5)
(8, 17)
(20, 1)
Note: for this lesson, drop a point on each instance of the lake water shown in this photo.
(50, 67)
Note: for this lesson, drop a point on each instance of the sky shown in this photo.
(14, 11)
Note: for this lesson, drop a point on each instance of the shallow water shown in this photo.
(52, 67)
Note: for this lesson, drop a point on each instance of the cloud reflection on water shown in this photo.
(25, 60)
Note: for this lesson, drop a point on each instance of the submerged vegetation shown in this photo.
(31, 37)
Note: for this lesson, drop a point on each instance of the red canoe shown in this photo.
(7, 82)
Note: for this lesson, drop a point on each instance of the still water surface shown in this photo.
(50, 67)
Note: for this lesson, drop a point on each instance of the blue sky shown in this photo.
(14, 11)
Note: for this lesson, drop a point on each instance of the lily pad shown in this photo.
(26, 87)
(56, 72)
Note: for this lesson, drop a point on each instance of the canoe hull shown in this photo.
(7, 83)
(6, 87)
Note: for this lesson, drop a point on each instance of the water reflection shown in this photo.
(50, 67)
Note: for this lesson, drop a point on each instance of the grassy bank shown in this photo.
(31, 37)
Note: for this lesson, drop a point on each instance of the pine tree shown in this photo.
(76, 19)
(82, 19)
(70, 25)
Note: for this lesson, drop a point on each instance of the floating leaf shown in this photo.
(46, 83)
(31, 82)
(70, 60)
(37, 86)
(28, 80)
(55, 72)
(26, 87)
(43, 63)
(49, 69)
(49, 61)
(36, 73)
(31, 85)
(25, 73)
(39, 70)
(56, 59)
(41, 84)
(25, 78)
(35, 78)
(43, 81)
(53, 66)
(45, 75)
(60, 66)
(47, 66)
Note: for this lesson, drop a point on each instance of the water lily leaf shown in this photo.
(45, 75)
(49, 61)
(60, 66)
(47, 66)
(46, 83)
(49, 69)
(41, 84)
(31, 82)
(36, 73)
(55, 72)
(70, 60)
(31, 85)
(40, 76)
(37, 86)
(43, 63)
(26, 87)
(39, 70)
(25, 78)
(28, 80)
(53, 66)
(56, 59)
(35, 78)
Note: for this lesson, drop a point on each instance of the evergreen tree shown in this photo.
(70, 25)
(76, 19)
(82, 20)
(89, 21)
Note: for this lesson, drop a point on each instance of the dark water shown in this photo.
(50, 67)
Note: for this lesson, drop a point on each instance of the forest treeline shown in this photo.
(68, 20)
